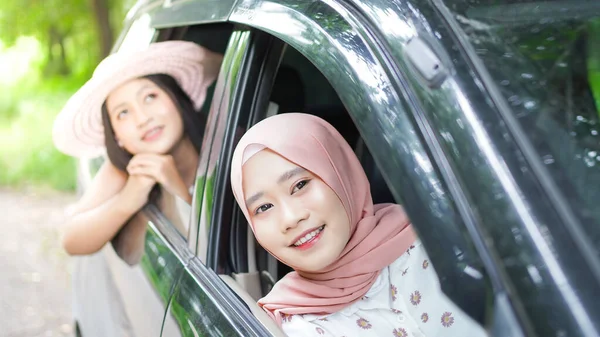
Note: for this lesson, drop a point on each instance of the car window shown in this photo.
(544, 58)
(213, 37)
(139, 34)
(333, 71)
(300, 86)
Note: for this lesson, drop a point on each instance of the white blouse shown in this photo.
(405, 300)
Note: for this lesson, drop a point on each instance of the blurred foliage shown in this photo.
(69, 31)
(48, 49)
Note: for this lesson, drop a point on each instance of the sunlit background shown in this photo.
(48, 48)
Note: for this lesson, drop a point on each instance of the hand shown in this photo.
(162, 169)
(137, 190)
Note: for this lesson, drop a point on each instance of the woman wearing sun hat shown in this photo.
(139, 108)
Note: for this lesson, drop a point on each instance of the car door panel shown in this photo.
(203, 305)
(112, 297)
(147, 286)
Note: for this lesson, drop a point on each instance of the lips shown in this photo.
(308, 238)
(152, 134)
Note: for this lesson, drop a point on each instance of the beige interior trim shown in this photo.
(262, 316)
(250, 282)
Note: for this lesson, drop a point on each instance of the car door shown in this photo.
(124, 290)
(372, 56)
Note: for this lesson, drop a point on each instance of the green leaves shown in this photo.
(70, 31)
(593, 60)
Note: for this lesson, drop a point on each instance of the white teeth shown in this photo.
(308, 236)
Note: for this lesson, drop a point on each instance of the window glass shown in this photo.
(544, 57)
(139, 35)
(213, 37)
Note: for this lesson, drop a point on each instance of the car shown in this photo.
(480, 117)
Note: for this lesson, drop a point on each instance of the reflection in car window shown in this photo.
(176, 210)
(544, 57)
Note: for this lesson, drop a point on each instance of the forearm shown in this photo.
(178, 188)
(184, 194)
(89, 231)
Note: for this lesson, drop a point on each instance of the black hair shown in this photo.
(193, 124)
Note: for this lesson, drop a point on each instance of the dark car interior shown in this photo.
(214, 37)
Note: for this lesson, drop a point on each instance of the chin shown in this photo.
(165, 147)
(313, 267)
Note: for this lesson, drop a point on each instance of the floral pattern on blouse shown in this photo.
(415, 298)
(447, 319)
(286, 318)
(399, 304)
(400, 332)
(363, 323)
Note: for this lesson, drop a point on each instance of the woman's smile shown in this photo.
(153, 134)
(308, 239)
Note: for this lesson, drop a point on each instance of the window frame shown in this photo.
(260, 15)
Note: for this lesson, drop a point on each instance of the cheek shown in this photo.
(333, 210)
(123, 132)
(169, 111)
(265, 234)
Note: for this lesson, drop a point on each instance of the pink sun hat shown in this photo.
(78, 129)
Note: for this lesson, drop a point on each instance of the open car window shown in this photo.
(215, 38)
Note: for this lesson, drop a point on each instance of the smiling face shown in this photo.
(295, 215)
(144, 117)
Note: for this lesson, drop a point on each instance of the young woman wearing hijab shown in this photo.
(140, 108)
(359, 268)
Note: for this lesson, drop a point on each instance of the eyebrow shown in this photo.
(284, 177)
(145, 86)
(253, 198)
(289, 174)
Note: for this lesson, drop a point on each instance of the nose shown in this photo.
(141, 117)
(292, 214)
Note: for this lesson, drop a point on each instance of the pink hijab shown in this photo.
(379, 234)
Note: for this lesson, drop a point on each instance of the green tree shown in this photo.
(64, 28)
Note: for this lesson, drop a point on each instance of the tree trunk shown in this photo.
(56, 64)
(63, 66)
(101, 13)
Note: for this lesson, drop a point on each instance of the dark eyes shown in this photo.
(300, 185)
(265, 207)
(122, 114)
(149, 98)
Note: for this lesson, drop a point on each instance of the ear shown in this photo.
(119, 144)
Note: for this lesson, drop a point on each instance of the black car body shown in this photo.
(479, 116)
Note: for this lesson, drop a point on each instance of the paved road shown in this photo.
(35, 297)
